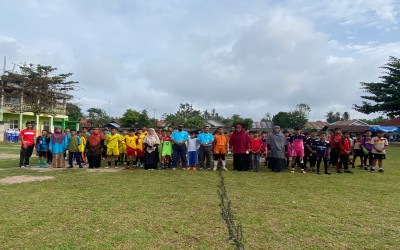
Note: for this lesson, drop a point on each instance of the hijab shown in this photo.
(58, 136)
(239, 140)
(95, 137)
(151, 138)
(276, 139)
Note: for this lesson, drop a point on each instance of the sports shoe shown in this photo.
(348, 171)
(70, 166)
(183, 168)
(201, 169)
(28, 166)
(380, 170)
(372, 169)
(127, 167)
(80, 166)
(194, 168)
(22, 167)
(225, 169)
(292, 171)
(173, 168)
(327, 173)
(214, 169)
(133, 168)
(38, 166)
(339, 171)
(188, 168)
(208, 169)
(44, 166)
(303, 171)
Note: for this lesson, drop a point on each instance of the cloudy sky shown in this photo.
(246, 57)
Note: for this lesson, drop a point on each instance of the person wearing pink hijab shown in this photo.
(239, 143)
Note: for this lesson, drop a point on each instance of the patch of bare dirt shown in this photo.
(8, 156)
(24, 178)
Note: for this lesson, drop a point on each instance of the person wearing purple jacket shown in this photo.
(367, 148)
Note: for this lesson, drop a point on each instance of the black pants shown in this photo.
(325, 163)
(369, 158)
(313, 159)
(344, 161)
(25, 154)
(334, 156)
(94, 161)
(241, 161)
(205, 153)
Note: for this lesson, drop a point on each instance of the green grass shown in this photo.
(177, 209)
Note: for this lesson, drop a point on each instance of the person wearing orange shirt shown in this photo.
(220, 148)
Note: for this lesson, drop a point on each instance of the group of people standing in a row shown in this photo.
(168, 149)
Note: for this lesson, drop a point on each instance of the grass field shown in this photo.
(180, 209)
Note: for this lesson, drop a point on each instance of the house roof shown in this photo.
(263, 125)
(351, 122)
(348, 128)
(317, 124)
(393, 122)
(214, 123)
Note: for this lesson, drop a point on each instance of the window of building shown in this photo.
(46, 126)
(13, 123)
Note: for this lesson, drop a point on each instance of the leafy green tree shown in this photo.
(299, 116)
(282, 119)
(40, 87)
(332, 117)
(73, 112)
(97, 117)
(267, 117)
(130, 118)
(383, 96)
(375, 121)
(186, 115)
(346, 116)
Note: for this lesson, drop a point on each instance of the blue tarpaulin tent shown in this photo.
(385, 129)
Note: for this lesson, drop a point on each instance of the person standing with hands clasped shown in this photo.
(205, 140)
(179, 138)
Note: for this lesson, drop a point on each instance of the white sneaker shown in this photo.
(214, 169)
(292, 171)
(22, 167)
(28, 166)
(303, 171)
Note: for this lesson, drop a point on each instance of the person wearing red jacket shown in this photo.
(345, 150)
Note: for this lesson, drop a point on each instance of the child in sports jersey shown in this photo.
(312, 149)
(73, 149)
(192, 147)
(297, 140)
(255, 149)
(166, 154)
(139, 148)
(345, 150)
(367, 149)
(379, 145)
(130, 142)
(42, 146)
(322, 148)
(112, 141)
(220, 149)
(335, 150)
(82, 147)
(264, 150)
(122, 147)
(288, 152)
(357, 150)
